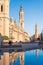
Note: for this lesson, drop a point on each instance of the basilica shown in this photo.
(8, 26)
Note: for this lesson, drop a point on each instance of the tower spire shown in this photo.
(36, 31)
(21, 17)
(21, 7)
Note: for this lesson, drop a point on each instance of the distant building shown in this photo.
(36, 32)
(8, 26)
(36, 36)
(41, 36)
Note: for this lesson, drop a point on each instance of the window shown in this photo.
(1, 8)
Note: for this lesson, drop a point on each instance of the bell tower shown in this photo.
(21, 17)
(4, 17)
(36, 32)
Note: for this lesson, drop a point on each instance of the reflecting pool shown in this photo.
(32, 57)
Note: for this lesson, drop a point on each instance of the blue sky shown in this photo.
(33, 13)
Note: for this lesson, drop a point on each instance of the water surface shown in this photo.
(32, 57)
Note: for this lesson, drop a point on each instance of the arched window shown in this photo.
(1, 8)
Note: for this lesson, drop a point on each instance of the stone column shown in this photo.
(6, 58)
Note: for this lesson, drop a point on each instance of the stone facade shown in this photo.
(4, 17)
(36, 35)
(8, 27)
(16, 33)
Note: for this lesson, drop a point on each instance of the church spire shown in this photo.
(36, 31)
(21, 8)
(21, 17)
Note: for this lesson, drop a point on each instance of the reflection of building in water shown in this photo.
(13, 57)
(36, 52)
(1, 60)
(5, 59)
(9, 58)
(22, 58)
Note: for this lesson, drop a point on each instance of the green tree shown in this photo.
(5, 37)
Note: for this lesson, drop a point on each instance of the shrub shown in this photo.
(5, 37)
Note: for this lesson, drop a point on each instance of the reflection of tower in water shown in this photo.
(22, 59)
(36, 52)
